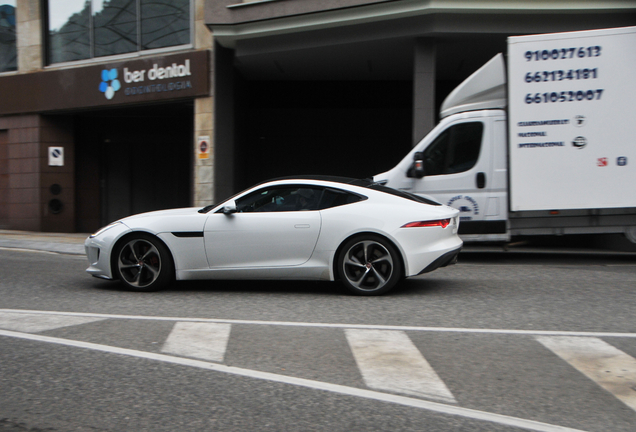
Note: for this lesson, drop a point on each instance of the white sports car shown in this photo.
(366, 235)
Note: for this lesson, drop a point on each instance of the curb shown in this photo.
(70, 244)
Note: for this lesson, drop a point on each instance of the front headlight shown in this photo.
(104, 229)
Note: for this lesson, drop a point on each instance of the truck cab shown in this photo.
(462, 162)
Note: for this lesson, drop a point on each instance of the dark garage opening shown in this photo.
(131, 161)
(344, 128)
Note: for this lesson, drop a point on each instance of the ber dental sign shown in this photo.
(174, 71)
(142, 80)
(167, 77)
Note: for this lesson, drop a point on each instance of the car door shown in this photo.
(457, 168)
(272, 227)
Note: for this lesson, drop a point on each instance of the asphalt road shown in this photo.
(81, 354)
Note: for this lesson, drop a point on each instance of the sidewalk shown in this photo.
(64, 243)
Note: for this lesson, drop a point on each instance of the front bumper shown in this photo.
(98, 250)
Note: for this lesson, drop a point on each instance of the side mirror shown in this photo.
(230, 208)
(416, 169)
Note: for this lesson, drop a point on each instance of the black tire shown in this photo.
(369, 265)
(142, 263)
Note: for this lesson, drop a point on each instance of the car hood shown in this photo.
(162, 213)
(181, 219)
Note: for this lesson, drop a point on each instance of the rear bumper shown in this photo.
(447, 259)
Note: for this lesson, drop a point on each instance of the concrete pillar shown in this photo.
(203, 175)
(57, 183)
(423, 88)
(29, 35)
(203, 163)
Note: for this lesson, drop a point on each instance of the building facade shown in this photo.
(112, 107)
(100, 106)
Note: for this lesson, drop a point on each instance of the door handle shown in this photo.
(481, 180)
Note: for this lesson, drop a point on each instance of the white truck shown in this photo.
(546, 148)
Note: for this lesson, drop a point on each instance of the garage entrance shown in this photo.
(344, 128)
(130, 161)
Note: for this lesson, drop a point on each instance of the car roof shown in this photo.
(335, 179)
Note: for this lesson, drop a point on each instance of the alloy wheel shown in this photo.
(368, 265)
(139, 263)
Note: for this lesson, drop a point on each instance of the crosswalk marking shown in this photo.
(606, 365)
(306, 383)
(388, 360)
(206, 341)
(33, 323)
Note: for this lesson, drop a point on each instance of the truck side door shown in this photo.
(458, 172)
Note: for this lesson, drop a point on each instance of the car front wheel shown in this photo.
(143, 263)
(369, 265)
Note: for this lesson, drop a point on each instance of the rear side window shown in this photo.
(455, 150)
(334, 198)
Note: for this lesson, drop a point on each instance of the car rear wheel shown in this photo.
(143, 263)
(369, 265)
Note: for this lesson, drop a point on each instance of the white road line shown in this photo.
(206, 341)
(388, 360)
(316, 385)
(16, 249)
(33, 322)
(604, 364)
(326, 325)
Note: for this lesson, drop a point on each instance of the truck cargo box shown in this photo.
(572, 123)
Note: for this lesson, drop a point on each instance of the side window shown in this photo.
(280, 199)
(435, 154)
(334, 198)
(294, 198)
(455, 150)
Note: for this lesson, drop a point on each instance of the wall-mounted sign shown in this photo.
(159, 78)
(203, 147)
(56, 156)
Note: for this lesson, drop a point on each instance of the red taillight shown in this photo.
(433, 223)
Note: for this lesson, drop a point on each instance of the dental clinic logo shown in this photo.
(110, 84)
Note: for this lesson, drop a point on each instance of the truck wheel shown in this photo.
(369, 265)
(143, 263)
